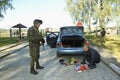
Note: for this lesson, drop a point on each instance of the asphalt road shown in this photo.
(16, 67)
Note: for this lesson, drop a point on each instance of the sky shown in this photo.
(52, 12)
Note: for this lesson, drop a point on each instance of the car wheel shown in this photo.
(58, 55)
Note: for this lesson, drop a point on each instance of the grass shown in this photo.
(7, 40)
(112, 44)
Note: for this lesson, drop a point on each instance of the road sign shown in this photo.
(79, 24)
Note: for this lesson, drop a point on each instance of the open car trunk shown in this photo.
(72, 41)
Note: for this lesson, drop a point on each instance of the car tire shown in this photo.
(58, 55)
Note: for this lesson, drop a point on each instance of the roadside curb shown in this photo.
(112, 66)
(7, 47)
(2, 55)
(11, 45)
(107, 60)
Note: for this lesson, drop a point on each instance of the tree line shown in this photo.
(101, 11)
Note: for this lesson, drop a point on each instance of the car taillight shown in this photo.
(87, 43)
(59, 44)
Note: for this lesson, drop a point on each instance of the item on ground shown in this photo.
(76, 61)
(62, 61)
(67, 64)
(81, 68)
(72, 60)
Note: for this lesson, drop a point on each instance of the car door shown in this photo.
(51, 39)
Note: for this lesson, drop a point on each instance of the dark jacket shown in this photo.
(92, 56)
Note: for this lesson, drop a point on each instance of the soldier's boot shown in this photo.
(38, 66)
(32, 71)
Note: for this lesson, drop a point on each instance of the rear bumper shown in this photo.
(61, 50)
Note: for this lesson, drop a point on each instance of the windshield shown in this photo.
(71, 30)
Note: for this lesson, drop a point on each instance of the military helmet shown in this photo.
(37, 21)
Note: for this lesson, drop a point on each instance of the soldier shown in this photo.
(103, 32)
(34, 38)
(92, 56)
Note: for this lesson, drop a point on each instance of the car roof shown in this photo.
(71, 27)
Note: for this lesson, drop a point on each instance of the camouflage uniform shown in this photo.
(34, 38)
(103, 32)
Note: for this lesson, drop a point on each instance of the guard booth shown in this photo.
(19, 26)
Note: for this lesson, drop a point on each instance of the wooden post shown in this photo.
(11, 33)
(20, 33)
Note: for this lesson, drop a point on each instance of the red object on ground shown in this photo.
(77, 61)
(82, 67)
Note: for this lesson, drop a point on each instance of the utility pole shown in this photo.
(0, 32)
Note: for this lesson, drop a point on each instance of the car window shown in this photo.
(52, 35)
(71, 30)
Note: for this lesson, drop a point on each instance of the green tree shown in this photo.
(100, 10)
(80, 10)
(4, 5)
(103, 11)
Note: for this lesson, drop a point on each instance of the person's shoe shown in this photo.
(39, 67)
(93, 66)
(88, 65)
(33, 72)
